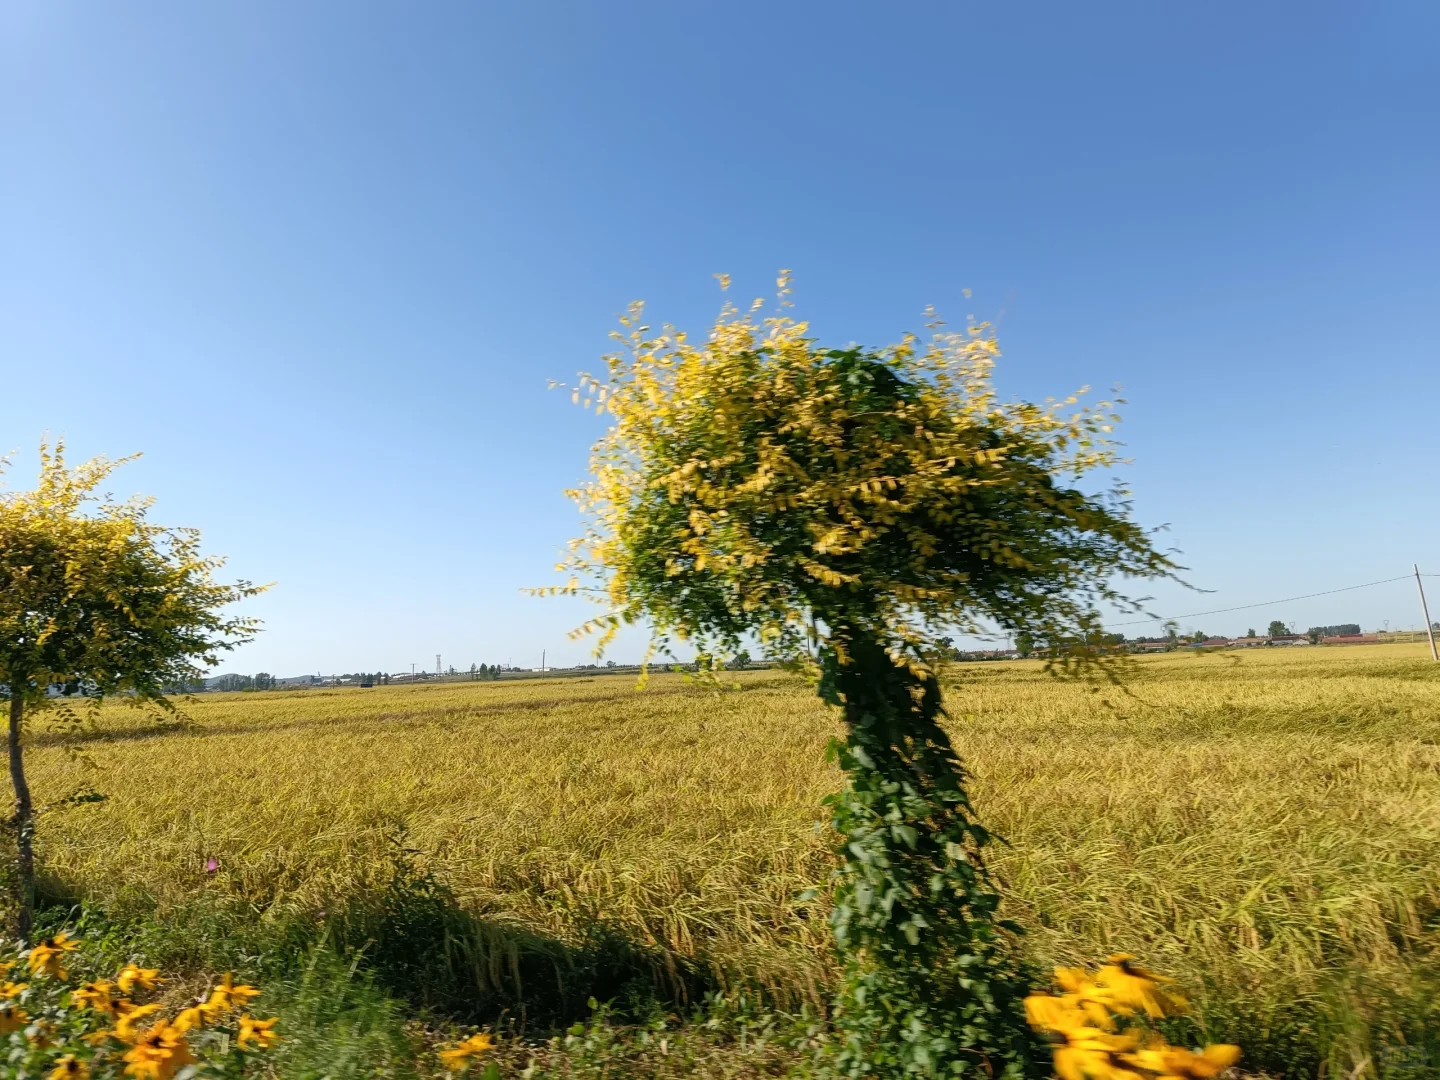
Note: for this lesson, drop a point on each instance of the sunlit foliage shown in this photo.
(756, 480)
(97, 600)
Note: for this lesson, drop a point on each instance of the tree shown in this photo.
(1250, 633)
(94, 595)
(1277, 629)
(847, 506)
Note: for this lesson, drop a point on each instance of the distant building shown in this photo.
(1351, 639)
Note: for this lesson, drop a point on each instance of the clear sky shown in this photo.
(318, 261)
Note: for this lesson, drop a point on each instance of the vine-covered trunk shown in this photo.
(24, 826)
(931, 986)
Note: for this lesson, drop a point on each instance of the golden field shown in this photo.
(1265, 825)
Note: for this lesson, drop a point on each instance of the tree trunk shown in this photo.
(24, 826)
(931, 986)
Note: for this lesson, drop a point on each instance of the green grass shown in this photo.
(1264, 826)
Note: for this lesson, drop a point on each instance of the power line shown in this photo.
(1268, 603)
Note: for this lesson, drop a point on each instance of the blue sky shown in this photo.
(318, 262)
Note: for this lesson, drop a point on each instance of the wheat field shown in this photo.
(1265, 826)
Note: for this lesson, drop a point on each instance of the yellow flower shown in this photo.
(1067, 1012)
(1127, 986)
(1074, 980)
(157, 1053)
(1079, 1063)
(69, 1067)
(227, 995)
(1157, 1057)
(12, 1017)
(12, 989)
(261, 1032)
(193, 1018)
(1053, 1013)
(131, 1015)
(1217, 1058)
(132, 976)
(458, 1058)
(1085, 1016)
(49, 956)
(95, 995)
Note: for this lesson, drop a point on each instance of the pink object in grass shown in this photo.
(212, 864)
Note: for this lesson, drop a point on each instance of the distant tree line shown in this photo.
(261, 681)
(1026, 645)
(1338, 630)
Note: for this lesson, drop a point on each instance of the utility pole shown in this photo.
(542, 661)
(1425, 608)
(412, 670)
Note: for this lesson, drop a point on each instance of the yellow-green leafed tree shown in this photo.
(97, 600)
(849, 507)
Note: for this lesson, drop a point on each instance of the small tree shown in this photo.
(96, 597)
(1277, 629)
(846, 506)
